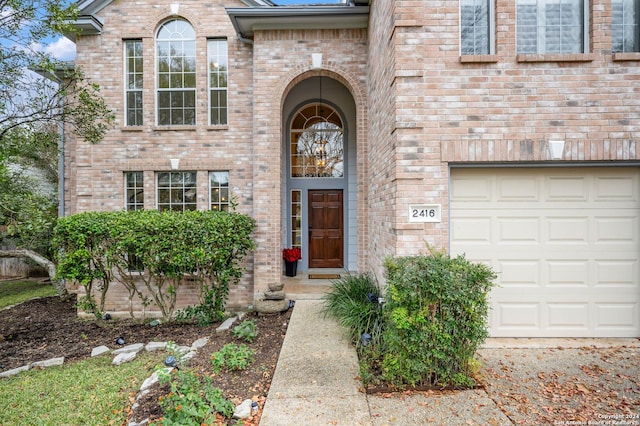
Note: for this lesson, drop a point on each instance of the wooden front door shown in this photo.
(326, 233)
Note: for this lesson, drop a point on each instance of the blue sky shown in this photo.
(58, 46)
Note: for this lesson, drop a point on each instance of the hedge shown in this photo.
(155, 249)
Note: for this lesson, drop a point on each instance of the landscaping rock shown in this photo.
(151, 380)
(124, 357)
(226, 324)
(182, 351)
(186, 357)
(52, 362)
(271, 306)
(142, 423)
(274, 295)
(243, 411)
(14, 371)
(100, 350)
(199, 343)
(155, 346)
(136, 347)
(276, 286)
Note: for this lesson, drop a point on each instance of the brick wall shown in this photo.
(489, 109)
(248, 147)
(281, 60)
(421, 107)
(94, 174)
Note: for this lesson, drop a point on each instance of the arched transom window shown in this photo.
(176, 67)
(317, 145)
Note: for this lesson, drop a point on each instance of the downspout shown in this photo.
(61, 205)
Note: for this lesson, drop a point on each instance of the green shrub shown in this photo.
(154, 251)
(353, 301)
(436, 318)
(247, 331)
(233, 357)
(193, 400)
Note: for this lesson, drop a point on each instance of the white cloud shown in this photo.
(62, 49)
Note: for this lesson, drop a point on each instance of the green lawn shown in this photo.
(88, 392)
(14, 292)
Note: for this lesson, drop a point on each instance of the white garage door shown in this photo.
(563, 241)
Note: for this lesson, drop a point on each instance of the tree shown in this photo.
(32, 109)
(28, 101)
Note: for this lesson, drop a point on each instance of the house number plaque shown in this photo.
(425, 213)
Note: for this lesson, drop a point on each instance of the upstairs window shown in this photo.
(133, 70)
(625, 25)
(551, 26)
(476, 27)
(218, 73)
(176, 68)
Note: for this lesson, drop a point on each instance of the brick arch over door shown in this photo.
(358, 92)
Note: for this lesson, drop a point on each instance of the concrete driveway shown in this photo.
(532, 382)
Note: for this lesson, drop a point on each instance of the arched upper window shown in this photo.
(176, 68)
(317, 143)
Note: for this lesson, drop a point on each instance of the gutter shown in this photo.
(246, 20)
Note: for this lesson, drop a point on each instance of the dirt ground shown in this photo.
(47, 328)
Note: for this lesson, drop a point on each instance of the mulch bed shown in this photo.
(47, 328)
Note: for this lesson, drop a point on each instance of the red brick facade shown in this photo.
(420, 107)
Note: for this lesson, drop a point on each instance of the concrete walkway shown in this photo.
(315, 382)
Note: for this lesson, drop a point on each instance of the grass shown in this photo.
(88, 392)
(14, 292)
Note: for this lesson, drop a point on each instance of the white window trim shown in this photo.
(209, 88)
(125, 79)
(156, 72)
(491, 31)
(585, 27)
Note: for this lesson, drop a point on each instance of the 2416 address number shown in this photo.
(425, 213)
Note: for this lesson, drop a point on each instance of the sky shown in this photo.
(60, 48)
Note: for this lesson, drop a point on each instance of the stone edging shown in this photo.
(129, 352)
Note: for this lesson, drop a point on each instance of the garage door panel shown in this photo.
(472, 230)
(565, 189)
(616, 229)
(524, 230)
(517, 188)
(568, 315)
(476, 188)
(517, 316)
(616, 273)
(563, 242)
(567, 230)
(617, 316)
(567, 272)
(616, 188)
(519, 272)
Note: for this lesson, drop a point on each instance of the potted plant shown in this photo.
(291, 257)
